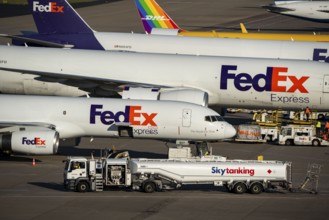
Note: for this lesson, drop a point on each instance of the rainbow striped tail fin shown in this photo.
(153, 16)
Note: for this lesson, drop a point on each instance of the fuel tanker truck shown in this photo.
(149, 175)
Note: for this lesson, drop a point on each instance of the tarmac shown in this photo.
(37, 192)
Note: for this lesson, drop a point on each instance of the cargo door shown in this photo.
(326, 84)
(186, 119)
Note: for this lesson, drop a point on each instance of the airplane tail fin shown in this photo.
(57, 16)
(153, 16)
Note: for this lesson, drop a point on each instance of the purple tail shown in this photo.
(57, 17)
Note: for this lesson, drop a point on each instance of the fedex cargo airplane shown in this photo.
(317, 11)
(68, 29)
(45, 120)
(156, 21)
(224, 81)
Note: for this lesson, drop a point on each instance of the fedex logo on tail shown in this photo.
(36, 141)
(275, 79)
(51, 7)
(132, 114)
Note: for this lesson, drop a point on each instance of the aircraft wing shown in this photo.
(38, 42)
(106, 87)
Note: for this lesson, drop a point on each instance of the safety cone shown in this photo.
(33, 162)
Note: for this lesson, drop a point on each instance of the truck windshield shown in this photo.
(67, 163)
(75, 165)
(286, 131)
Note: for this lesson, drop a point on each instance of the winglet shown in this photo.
(153, 16)
(243, 28)
(57, 16)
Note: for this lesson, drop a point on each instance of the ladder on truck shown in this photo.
(99, 183)
(311, 181)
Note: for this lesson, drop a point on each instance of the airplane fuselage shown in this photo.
(102, 117)
(316, 51)
(240, 82)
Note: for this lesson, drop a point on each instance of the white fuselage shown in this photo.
(148, 43)
(317, 51)
(103, 117)
(240, 82)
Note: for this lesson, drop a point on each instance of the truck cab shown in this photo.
(300, 135)
(75, 167)
(76, 171)
(81, 174)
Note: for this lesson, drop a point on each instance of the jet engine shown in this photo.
(30, 142)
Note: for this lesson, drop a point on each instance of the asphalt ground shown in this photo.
(36, 192)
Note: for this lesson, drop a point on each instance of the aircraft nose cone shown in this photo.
(229, 132)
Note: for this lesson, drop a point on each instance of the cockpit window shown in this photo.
(213, 118)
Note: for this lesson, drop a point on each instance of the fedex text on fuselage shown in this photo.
(272, 81)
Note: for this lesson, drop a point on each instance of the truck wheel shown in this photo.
(316, 142)
(256, 188)
(149, 187)
(239, 188)
(82, 187)
(288, 142)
